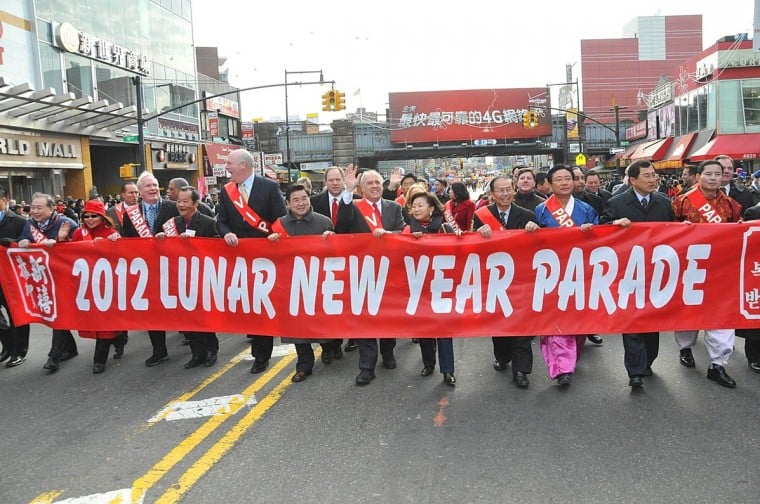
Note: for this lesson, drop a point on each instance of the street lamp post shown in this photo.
(616, 109)
(287, 118)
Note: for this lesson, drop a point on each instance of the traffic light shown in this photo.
(326, 102)
(526, 119)
(530, 119)
(340, 101)
(533, 119)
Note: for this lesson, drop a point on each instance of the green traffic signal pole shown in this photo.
(141, 120)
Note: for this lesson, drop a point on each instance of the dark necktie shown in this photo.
(151, 216)
(644, 201)
(503, 219)
(334, 211)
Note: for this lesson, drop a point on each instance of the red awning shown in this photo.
(679, 148)
(740, 146)
(217, 152)
(652, 151)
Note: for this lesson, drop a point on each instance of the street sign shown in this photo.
(484, 141)
(129, 138)
(624, 143)
(580, 160)
(617, 150)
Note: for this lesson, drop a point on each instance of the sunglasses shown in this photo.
(90, 216)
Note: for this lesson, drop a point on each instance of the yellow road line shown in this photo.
(221, 447)
(155, 473)
(47, 497)
(187, 395)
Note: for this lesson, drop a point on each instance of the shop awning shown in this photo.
(218, 152)
(676, 154)
(700, 140)
(740, 146)
(653, 150)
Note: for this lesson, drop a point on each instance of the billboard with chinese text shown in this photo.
(468, 115)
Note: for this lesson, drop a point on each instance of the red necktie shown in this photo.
(376, 211)
(335, 212)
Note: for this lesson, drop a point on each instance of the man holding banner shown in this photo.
(248, 206)
(561, 209)
(144, 220)
(373, 214)
(643, 203)
(497, 218)
(706, 203)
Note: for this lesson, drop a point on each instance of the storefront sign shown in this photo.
(72, 40)
(174, 156)
(18, 150)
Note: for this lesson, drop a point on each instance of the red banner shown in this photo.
(648, 277)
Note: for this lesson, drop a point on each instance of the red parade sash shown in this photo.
(560, 215)
(706, 211)
(138, 221)
(249, 216)
(119, 210)
(448, 216)
(38, 236)
(170, 228)
(486, 217)
(278, 228)
(369, 215)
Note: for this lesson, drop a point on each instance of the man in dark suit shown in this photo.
(15, 339)
(643, 203)
(191, 222)
(729, 187)
(580, 192)
(594, 186)
(364, 219)
(263, 198)
(129, 197)
(153, 213)
(493, 219)
(335, 204)
(172, 193)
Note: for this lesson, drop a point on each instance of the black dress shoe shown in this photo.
(389, 363)
(193, 362)
(521, 379)
(595, 339)
(327, 357)
(449, 379)
(15, 361)
(68, 355)
(300, 376)
(500, 365)
(155, 360)
(754, 366)
(210, 359)
(718, 374)
(686, 358)
(427, 370)
(350, 346)
(563, 380)
(259, 366)
(51, 365)
(118, 350)
(364, 377)
(98, 368)
(5, 355)
(636, 382)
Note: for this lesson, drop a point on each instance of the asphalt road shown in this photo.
(78, 437)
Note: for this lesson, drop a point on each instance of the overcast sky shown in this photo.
(394, 45)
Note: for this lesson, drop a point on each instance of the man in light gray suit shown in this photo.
(373, 214)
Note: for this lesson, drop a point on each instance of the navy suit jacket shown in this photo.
(517, 219)
(627, 204)
(392, 218)
(265, 199)
(166, 210)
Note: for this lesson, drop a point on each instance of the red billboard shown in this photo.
(468, 115)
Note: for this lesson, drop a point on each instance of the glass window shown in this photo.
(50, 63)
(114, 84)
(78, 75)
(730, 110)
(751, 104)
(44, 9)
(44, 31)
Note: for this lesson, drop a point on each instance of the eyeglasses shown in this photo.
(90, 216)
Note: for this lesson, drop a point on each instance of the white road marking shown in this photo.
(122, 496)
(278, 351)
(183, 410)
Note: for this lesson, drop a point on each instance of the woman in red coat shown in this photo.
(460, 206)
(96, 226)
